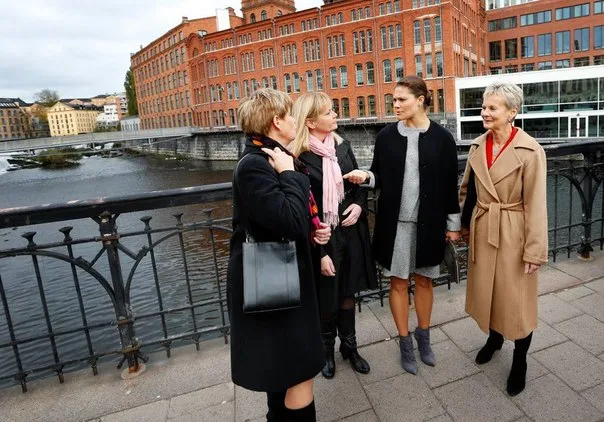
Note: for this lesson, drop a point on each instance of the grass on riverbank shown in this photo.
(59, 158)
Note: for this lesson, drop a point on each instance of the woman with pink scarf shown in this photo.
(345, 265)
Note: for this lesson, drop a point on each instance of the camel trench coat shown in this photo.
(507, 212)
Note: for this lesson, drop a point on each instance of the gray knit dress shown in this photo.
(403, 255)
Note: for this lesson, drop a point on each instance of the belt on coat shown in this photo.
(493, 211)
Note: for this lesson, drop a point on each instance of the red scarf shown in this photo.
(490, 158)
(313, 209)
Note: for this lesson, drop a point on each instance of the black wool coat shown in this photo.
(272, 351)
(349, 247)
(437, 190)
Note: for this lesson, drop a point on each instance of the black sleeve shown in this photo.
(470, 202)
(452, 194)
(375, 161)
(276, 202)
(358, 193)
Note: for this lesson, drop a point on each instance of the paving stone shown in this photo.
(221, 412)
(592, 305)
(551, 279)
(404, 397)
(384, 359)
(549, 399)
(152, 412)
(579, 369)
(574, 293)
(194, 402)
(595, 396)
(437, 335)
(584, 270)
(473, 398)
(384, 316)
(597, 285)
(545, 336)
(339, 397)
(586, 331)
(450, 306)
(498, 369)
(249, 405)
(451, 365)
(552, 309)
(369, 328)
(366, 416)
(442, 418)
(465, 334)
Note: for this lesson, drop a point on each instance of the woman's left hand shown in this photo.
(531, 268)
(355, 212)
(453, 236)
(323, 234)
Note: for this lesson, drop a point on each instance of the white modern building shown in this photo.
(558, 103)
(130, 123)
(109, 117)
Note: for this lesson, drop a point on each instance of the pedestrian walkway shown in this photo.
(565, 379)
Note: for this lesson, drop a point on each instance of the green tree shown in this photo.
(47, 97)
(131, 93)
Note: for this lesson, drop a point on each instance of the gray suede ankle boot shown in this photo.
(423, 344)
(407, 356)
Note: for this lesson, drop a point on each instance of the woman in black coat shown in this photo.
(345, 265)
(278, 352)
(415, 167)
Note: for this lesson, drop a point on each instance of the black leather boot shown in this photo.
(277, 412)
(306, 414)
(494, 343)
(517, 378)
(328, 334)
(348, 341)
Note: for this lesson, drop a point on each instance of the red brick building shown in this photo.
(354, 50)
(546, 34)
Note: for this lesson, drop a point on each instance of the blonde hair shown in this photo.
(256, 112)
(308, 106)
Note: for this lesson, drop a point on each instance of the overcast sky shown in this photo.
(81, 48)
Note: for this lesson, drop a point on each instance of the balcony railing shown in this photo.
(75, 289)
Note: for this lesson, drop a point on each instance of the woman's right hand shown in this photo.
(279, 159)
(357, 177)
(465, 234)
(327, 267)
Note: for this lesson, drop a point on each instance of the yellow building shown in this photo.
(72, 119)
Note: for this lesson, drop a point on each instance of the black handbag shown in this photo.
(271, 281)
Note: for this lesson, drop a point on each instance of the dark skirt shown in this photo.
(350, 251)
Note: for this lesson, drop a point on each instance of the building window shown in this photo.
(570, 12)
(598, 60)
(252, 18)
(343, 77)
(582, 39)
(495, 51)
(335, 103)
(371, 103)
(319, 79)
(359, 73)
(370, 73)
(598, 7)
(527, 67)
(288, 83)
(598, 37)
(416, 33)
(437, 30)
(581, 61)
(439, 64)
(527, 46)
(500, 24)
(361, 106)
(544, 65)
(345, 108)
(427, 31)
(389, 109)
(309, 81)
(418, 66)
(333, 77)
(398, 69)
(296, 78)
(536, 18)
(429, 65)
(387, 66)
(511, 49)
(560, 64)
(562, 42)
(544, 44)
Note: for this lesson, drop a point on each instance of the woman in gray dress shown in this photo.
(415, 168)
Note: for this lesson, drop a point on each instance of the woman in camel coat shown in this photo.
(503, 200)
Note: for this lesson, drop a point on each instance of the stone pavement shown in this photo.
(565, 379)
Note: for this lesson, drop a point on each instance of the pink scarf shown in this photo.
(333, 184)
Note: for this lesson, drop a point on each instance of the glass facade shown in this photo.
(552, 109)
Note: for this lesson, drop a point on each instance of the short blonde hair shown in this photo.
(256, 112)
(308, 106)
(512, 94)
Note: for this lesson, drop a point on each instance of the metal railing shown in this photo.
(122, 293)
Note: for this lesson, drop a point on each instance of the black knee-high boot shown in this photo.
(277, 412)
(517, 378)
(306, 414)
(348, 341)
(328, 334)
(494, 343)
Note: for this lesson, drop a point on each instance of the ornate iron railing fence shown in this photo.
(123, 293)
